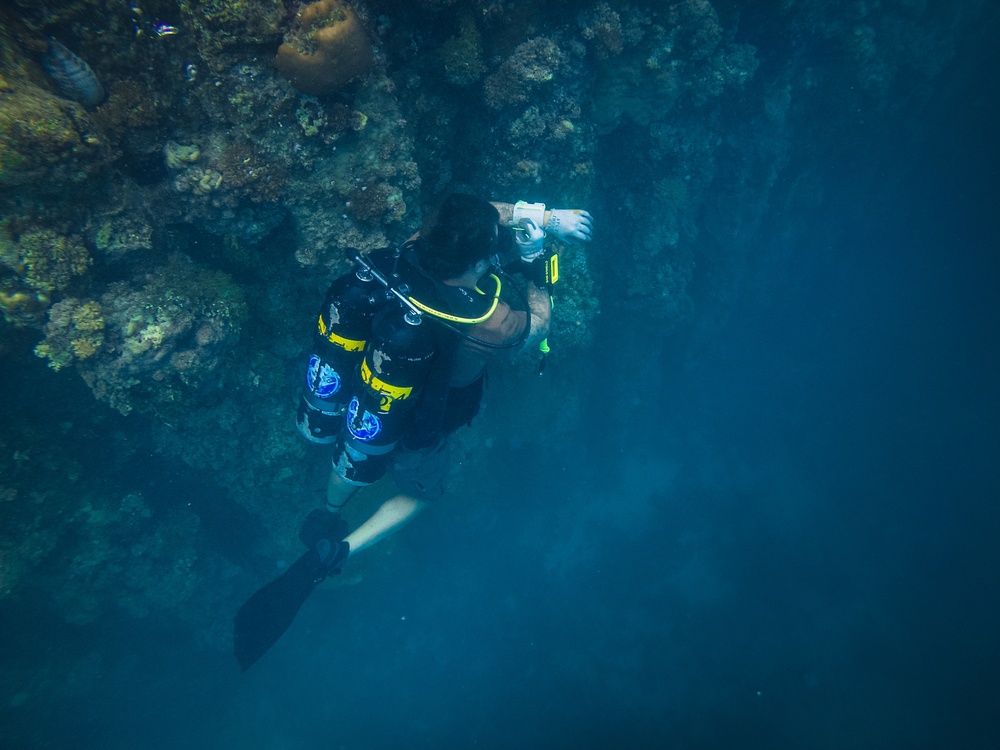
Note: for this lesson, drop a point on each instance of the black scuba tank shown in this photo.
(342, 330)
(392, 375)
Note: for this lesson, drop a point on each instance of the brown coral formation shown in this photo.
(130, 105)
(379, 203)
(462, 55)
(251, 173)
(602, 26)
(75, 331)
(164, 333)
(532, 65)
(221, 24)
(328, 49)
(41, 258)
(45, 141)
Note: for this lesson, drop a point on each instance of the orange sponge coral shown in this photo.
(326, 50)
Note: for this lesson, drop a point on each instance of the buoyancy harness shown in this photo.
(458, 308)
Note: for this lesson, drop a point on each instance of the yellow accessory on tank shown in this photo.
(348, 345)
(388, 393)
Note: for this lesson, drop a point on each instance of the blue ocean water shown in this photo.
(775, 529)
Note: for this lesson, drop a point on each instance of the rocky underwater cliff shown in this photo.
(179, 182)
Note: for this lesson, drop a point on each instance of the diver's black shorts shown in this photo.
(420, 462)
(420, 473)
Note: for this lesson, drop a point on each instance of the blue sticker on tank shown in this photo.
(322, 379)
(366, 427)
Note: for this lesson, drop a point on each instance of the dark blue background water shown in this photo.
(784, 536)
(781, 531)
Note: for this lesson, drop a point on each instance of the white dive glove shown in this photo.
(530, 239)
(570, 224)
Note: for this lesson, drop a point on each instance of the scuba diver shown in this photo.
(399, 363)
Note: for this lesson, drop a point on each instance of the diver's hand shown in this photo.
(570, 224)
(530, 239)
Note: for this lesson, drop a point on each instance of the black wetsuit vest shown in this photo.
(440, 409)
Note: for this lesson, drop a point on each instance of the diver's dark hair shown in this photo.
(457, 234)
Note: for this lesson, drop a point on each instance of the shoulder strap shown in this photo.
(451, 303)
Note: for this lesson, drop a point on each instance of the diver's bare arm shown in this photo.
(540, 310)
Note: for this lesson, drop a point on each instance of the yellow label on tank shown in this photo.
(389, 393)
(349, 345)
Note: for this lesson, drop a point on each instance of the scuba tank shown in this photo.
(343, 328)
(392, 375)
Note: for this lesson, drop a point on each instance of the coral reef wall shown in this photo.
(164, 248)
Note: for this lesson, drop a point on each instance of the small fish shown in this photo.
(72, 76)
(165, 29)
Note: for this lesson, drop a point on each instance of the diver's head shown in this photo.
(458, 237)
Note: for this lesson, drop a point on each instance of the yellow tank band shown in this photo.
(388, 393)
(349, 345)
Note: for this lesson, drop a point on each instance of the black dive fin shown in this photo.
(267, 614)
